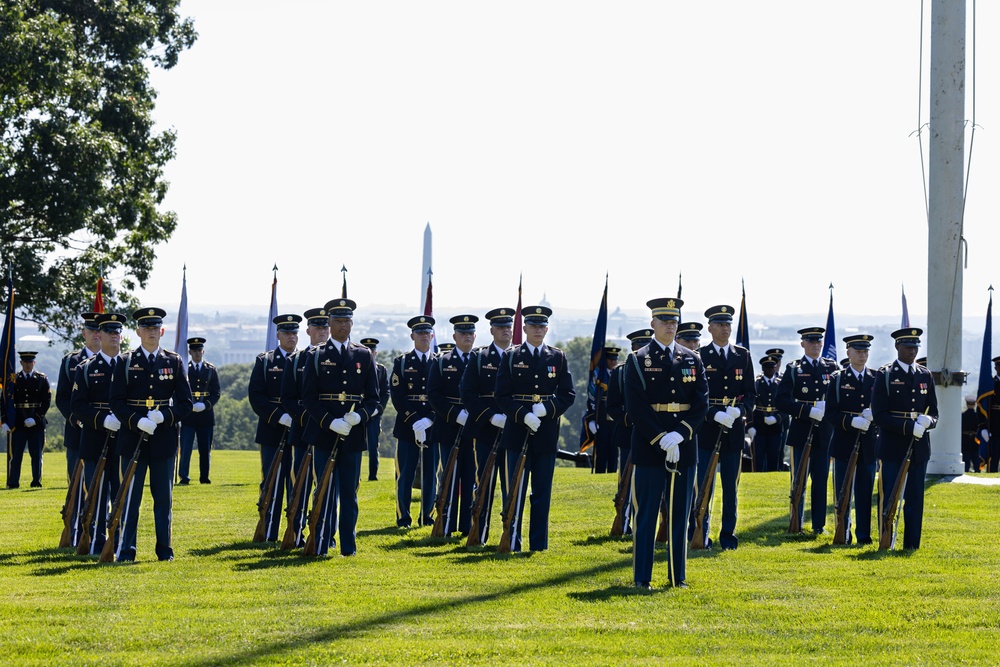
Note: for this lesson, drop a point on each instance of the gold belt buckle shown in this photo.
(150, 403)
(342, 396)
(536, 398)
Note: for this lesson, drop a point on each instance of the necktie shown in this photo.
(343, 349)
(536, 354)
(722, 354)
(152, 359)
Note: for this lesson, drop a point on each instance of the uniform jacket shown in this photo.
(620, 423)
(204, 388)
(292, 383)
(408, 390)
(134, 383)
(335, 383)
(264, 392)
(64, 394)
(765, 406)
(520, 379)
(444, 379)
(382, 378)
(732, 380)
(32, 398)
(802, 384)
(91, 403)
(478, 391)
(845, 399)
(897, 399)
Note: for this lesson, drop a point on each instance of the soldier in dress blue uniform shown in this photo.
(32, 398)
(904, 404)
(601, 426)
(768, 426)
(801, 395)
(848, 411)
(64, 387)
(340, 393)
(689, 335)
(204, 380)
(534, 388)
(486, 419)
(149, 396)
(414, 428)
(444, 379)
(666, 395)
(731, 396)
(778, 354)
(292, 383)
(374, 428)
(273, 421)
(90, 405)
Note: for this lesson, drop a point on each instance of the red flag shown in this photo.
(99, 296)
(517, 316)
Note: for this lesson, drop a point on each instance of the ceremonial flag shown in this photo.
(343, 289)
(743, 328)
(597, 379)
(518, 333)
(7, 343)
(905, 323)
(180, 342)
(830, 338)
(271, 339)
(984, 395)
(429, 310)
(99, 296)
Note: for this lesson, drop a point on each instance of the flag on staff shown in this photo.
(429, 310)
(743, 328)
(597, 379)
(343, 289)
(906, 313)
(984, 394)
(830, 338)
(7, 342)
(678, 285)
(99, 295)
(518, 332)
(271, 339)
(180, 342)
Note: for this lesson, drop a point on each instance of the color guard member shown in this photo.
(689, 335)
(374, 428)
(32, 398)
(768, 426)
(204, 380)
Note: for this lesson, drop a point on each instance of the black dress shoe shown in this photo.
(643, 585)
(13, 486)
(166, 558)
(206, 481)
(681, 584)
(184, 482)
(36, 485)
(372, 478)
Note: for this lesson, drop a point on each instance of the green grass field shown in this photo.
(409, 599)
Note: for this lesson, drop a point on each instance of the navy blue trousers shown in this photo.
(408, 455)
(861, 490)
(913, 498)
(161, 486)
(32, 439)
(650, 484)
(342, 492)
(538, 471)
(767, 451)
(372, 430)
(819, 476)
(729, 472)
(483, 447)
(283, 487)
(204, 434)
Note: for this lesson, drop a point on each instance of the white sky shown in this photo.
(563, 140)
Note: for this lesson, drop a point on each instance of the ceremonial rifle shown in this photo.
(514, 498)
(108, 553)
(887, 532)
(798, 489)
(96, 486)
(844, 501)
(698, 540)
(617, 526)
(322, 489)
(443, 505)
(291, 529)
(69, 514)
(267, 491)
(485, 487)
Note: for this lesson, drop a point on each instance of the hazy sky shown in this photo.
(564, 140)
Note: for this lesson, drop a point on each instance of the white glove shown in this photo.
(198, 407)
(29, 422)
(592, 427)
(374, 413)
(463, 416)
(146, 425)
(498, 420)
(285, 420)
(670, 443)
(724, 419)
(340, 426)
(352, 418)
(419, 436)
(155, 416)
(821, 405)
(924, 420)
(538, 410)
(984, 435)
(860, 423)
(817, 413)
(918, 430)
(770, 420)
(752, 432)
(867, 414)
(112, 423)
(4, 430)
(733, 412)
(422, 424)
(532, 421)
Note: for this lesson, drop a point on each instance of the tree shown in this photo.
(81, 167)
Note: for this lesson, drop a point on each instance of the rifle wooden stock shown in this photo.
(291, 530)
(443, 504)
(83, 548)
(267, 490)
(617, 526)
(513, 498)
(484, 490)
(321, 489)
(799, 488)
(844, 501)
(69, 516)
(698, 540)
(108, 553)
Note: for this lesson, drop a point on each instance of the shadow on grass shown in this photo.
(273, 651)
(620, 591)
(882, 555)
(388, 530)
(235, 547)
(601, 539)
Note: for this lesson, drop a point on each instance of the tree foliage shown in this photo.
(81, 166)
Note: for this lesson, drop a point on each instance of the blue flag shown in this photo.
(7, 343)
(984, 395)
(743, 328)
(180, 343)
(597, 379)
(830, 337)
(271, 339)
